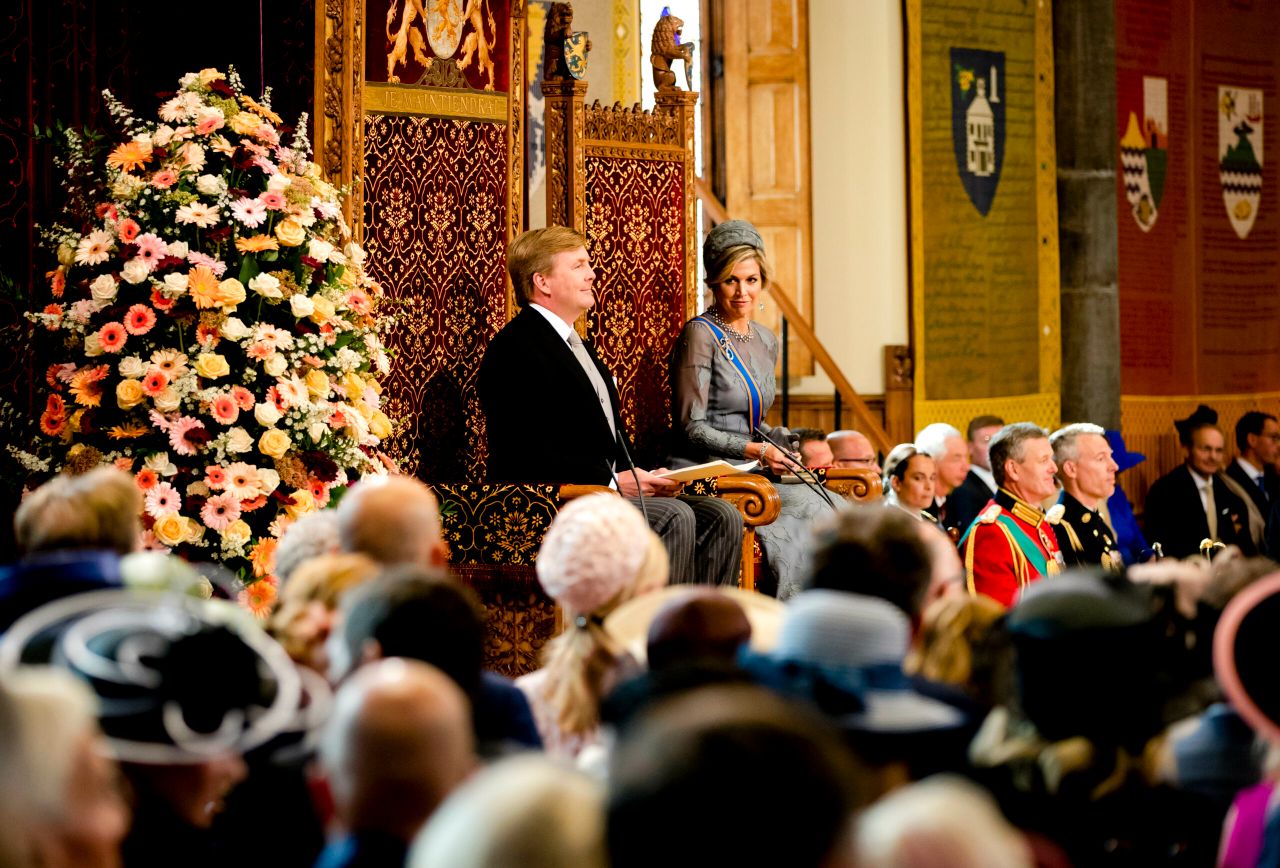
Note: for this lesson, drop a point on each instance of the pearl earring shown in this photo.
(762, 305)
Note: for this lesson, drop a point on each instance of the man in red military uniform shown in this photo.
(1011, 543)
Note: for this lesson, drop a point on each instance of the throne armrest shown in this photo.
(854, 484)
(757, 500)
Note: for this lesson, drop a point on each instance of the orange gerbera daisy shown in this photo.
(146, 478)
(259, 109)
(129, 156)
(52, 424)
(259, 598)
(263, 557)
(127, 432)
(86, 389)
(202, 284)
(256, 244)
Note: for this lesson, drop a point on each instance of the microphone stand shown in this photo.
(626, 453)
(800, 470)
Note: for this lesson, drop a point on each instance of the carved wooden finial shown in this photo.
(666, 48)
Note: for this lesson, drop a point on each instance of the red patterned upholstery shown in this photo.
(635, 233)
(434, 217)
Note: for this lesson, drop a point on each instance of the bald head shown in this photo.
(398, 741)
(852, 449)
(394, 520)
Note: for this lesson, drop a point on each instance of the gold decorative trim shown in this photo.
(683, 105)
(516, 132)
(615, 124)
(1044, 409)
(1047, 207)
(626, 58)
(408, 99)
(339, 95)
(565, 125)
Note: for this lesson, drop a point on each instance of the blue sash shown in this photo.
(726, 348)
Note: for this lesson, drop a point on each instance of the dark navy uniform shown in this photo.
(1085, 537)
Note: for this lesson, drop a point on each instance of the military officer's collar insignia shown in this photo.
(1032, 515)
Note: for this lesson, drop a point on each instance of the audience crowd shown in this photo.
(992, 665)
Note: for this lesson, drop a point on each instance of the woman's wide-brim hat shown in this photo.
(1245, 645)
(179, 680)
(629, 623)
(1123, 458)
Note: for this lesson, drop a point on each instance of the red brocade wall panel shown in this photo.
(635, 232)
(434, 212)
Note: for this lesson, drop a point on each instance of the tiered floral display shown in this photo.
(218, 337)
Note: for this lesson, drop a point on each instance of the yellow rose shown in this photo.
(170, 529)
(380, 425)
(354, 384)
(274, 443)
(211, 366)
(324, 310)
(194, 530)
(209, 75)
(363, 409)
(244, 123)
(290, 232)
(317, 383)
(230, 292)
(237, 532)
(303, 503)
(128, 394)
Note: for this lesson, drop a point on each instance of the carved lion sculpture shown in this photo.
(666, 48)
(559, 28)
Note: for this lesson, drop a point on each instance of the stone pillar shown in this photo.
(1085, 121)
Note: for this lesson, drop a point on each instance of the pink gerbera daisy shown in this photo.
(164, 179)
(139, 320)
(224, 409)
(151, 248)
(319, 492)
(259, 351)
(112, 337)
(162, 499)
(293, 392)
(181, 433)
(155, 382)
(215, 476)
(250, 212)
(220, 510)
(203, 259)
(274, 396)
(242, 481)
(271, 201)
(244, 398)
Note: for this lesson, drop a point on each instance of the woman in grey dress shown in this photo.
(722, 382)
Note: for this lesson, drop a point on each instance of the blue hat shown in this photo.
(1123, 458)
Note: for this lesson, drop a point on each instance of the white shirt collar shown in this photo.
(1249, 470)
(562, 328)
(985, 475)
(1201, 482)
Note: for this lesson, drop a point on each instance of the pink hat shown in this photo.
(593, 550)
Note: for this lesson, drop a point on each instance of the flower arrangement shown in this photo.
(218, 336)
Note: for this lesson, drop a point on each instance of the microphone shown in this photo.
(626, 453)
(800, 470)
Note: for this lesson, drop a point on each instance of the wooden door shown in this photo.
(766, 143)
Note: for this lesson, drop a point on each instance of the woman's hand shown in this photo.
(777, 461)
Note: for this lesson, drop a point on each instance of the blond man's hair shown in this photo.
(532, 254)
(101, 509)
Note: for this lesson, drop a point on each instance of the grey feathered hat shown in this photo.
(723, 238)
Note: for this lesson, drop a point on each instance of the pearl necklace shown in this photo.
(734, 333)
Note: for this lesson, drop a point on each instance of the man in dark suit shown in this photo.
(979, 485)
(1258, 445)
(552, 409)
(1192, 503)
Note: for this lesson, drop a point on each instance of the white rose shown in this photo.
(317, 431)
(210, 113)
(103, 288)
(267, 286)
(301, 306)
(266, 414)
(238, 440)
(92, 344)
(275, 365)
(233, 329)
(211, 185)
(168, 400)
(355, 254)
(268, 480)
(175, 284)
(179, 249)
(307, 219)
(277, 183)
(135, 271)
(131, 367)
(320, 250)
(162, 135)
